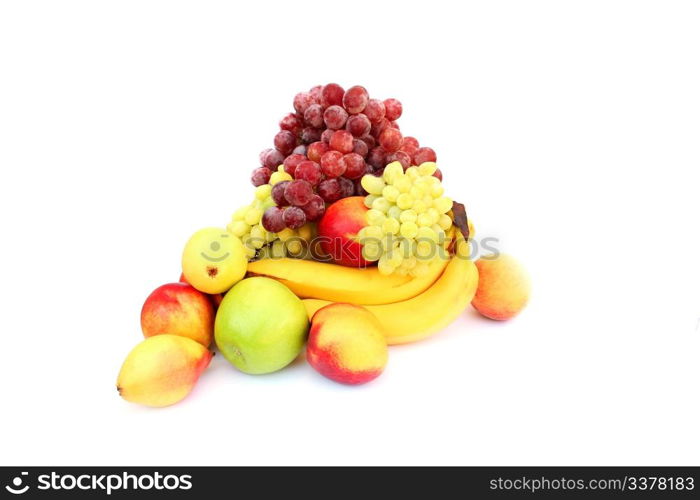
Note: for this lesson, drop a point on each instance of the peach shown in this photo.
(504, 287)
(346, 344)
(338, 229)
(215, 298)
(178, 309)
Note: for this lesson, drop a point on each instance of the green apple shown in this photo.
(261, 326)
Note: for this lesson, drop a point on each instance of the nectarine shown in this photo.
(346, 344)
(504, 287)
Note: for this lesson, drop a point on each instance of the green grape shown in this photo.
(277, 249)
(369, 199)
(416, 192)
(372, 184)
(412, 173)
(239, 228)
(371, 251)
(257, 236)
(253, 216)
(240, 213)
(294, 247)
(395, 259)
(403, 184)
(392, 172)
(419, 206)
(390, 193)
(434, 215)
(385, 266)
(443, 204)
(427, 233)
(373, 232)
(381, 204)
(424, 219)
(428, 168)
(404, 201)
(375, 217)
(409, 230)
(408, 216)
(263, 192)
(394, 212)
(436, 190)
(445, 222)
(391, 225)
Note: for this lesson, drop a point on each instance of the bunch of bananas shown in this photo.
(409, 308)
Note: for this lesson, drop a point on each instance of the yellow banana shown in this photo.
(331, 282)
(427, 313)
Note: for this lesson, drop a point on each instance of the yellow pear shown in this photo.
(162, 370)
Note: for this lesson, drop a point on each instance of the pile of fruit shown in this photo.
(349, 245)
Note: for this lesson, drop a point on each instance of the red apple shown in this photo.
(178, 309)
(338, 229)
(215, 298)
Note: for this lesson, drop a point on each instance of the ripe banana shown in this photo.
(334, 283)
(427, 313)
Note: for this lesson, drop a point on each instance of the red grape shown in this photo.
(277, 194)
(355, 99)
(424, 154)
(285, 141)
(437, 173)
(347, 187)
(294, 217)
(393, 109)
(375, 110)
(273, 219)
(360, 147)
(260, 176)
(326, 135)
(309, 171)
(310, 134)
(329, 190)
(410, 145)
(358, 125)
(332, 94)
(313, 116)
(263, 154)
(369, 140)
(291, 162)
(292, 123)
(378, 128)
(354, 166)
(315, 93)
(341, 140)
(333, 164)
(390, 139)
(302, 101)
(335, 117)
(315, 208)
(316, 150)
(273, 159)
(298, 192)
(401, 156)
(376, 157)
(395, 125)
(300, 149)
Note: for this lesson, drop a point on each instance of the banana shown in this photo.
(334, 283)
(427, 313)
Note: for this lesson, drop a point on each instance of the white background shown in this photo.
(570, 129)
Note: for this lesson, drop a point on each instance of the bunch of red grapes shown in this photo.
(334, 138)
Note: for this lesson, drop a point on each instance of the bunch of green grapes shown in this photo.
(407, 219)
(246, 225)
